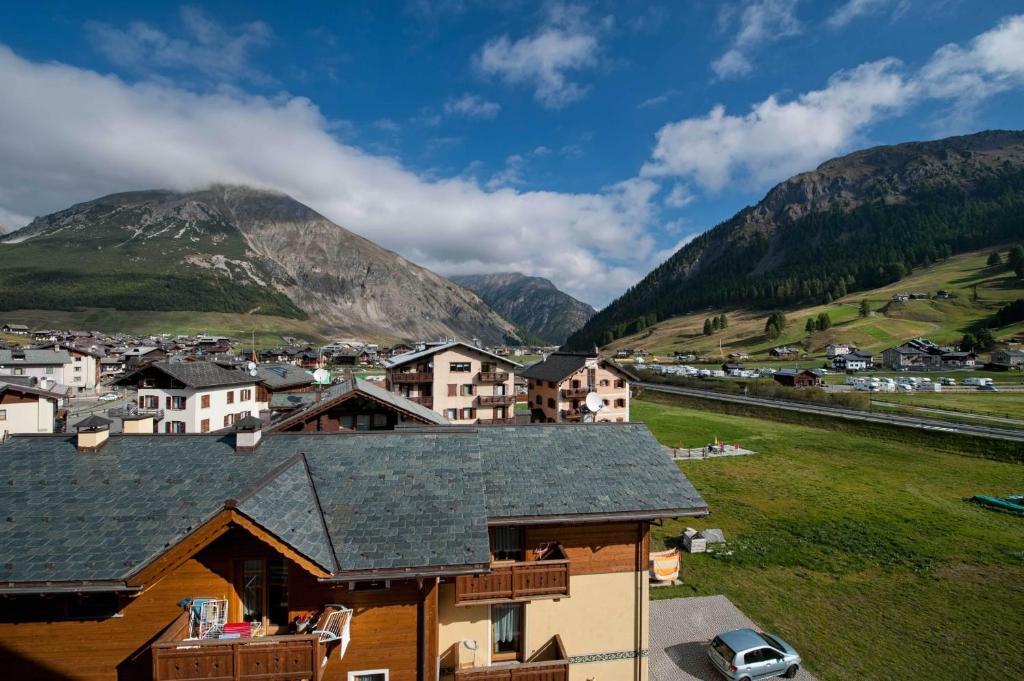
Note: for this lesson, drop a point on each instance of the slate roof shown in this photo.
(560, 365)
(35, 357)
(306, 402)
(399, 360)
(195, 374)
(283, 377)
(398, 502)
(25, 387)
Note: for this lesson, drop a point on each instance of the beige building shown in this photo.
(25, 409)
(558, 388)
(84, 373)
(49, 368)
(193, 397)
(463, 383)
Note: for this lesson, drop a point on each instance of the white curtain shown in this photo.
(506, 623)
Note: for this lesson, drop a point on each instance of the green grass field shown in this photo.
(980, 290)
(1005, 404)
(859, 551)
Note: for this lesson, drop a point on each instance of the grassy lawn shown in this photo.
(859, 551)
(1006, 404)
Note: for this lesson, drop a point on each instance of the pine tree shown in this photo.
(994, 259)
(708, 330)
(968, 343)
(824, 321)
(865, 308)
(723, 322)
(985, 340)
(810, 327)
(714, 324)
(1015, 257)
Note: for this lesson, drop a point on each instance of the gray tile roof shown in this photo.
(399, 360)
(352, 503)
(305, 402)
(195, 374)
(34, 357)
(557, 366)
(284, 376)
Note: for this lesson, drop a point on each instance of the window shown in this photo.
(204, 401)
(451, 414)
(487, 367)
(176, 403)
(459, 367)
(499, 413)
(49, 371)
(204, 426)
(469, 413)
(453, 389)
(507, 632)
(93, 606)
(231, 397)
(467, 389)
(380, 421)
(229, 420)
(264, 588)
(78, 370)
(19, 371)
(148, 383)
(149, 402)
(174, 426)
(620, 383)
(507, 543)
(3, 414)
(551, 403)
(369, 675)
(539, 400)
(246, 395)
(501, 389)
(620, 403)
(604, 383)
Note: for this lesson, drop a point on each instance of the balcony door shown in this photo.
(507, 632)
(263, 589)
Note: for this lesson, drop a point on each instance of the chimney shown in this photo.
(93, 433)
(137, 424)
(248, 433)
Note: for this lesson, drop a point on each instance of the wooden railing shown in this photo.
(571, 415)
(549, 663)
(268, 658)
(425, 400)
(496, 400)
(515, 581)
(576, 392)
(497, 422)
(493, 376)
(412, 377)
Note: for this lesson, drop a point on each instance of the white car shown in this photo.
(109, 397)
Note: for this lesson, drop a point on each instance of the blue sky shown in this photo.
(579, 142)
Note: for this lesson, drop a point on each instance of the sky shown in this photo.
(580, 142)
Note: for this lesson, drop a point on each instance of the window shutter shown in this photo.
(452, 389)
(168, 398)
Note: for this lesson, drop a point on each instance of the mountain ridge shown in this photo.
(233, 249)
(534, 304)
(855, 222)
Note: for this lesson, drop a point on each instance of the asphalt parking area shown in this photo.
(679, 629)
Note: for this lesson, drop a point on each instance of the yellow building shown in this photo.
(560, 383)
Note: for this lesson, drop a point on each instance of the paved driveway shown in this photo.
(679, 629)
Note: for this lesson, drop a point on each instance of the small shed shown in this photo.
(798, 378)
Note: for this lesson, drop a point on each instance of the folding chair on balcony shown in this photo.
(207, 617)
(334, 626)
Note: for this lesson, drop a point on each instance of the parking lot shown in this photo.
(680, 627)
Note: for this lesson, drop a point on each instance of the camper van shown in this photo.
(930, 387)
(977, 381)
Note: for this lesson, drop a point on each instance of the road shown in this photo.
(839, 412)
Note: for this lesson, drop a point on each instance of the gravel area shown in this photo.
(679, 629)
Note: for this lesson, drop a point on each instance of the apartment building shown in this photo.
(462, 382)
(26, 409)
(49, 368)
(456, 554)
(85, 372)
(193, 397)
(559, 384)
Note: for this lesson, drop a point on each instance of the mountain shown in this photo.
(232, 249)
(533, 304)
(855, 223)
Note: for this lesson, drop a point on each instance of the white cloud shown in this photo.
(679, 197)
(10, 221)
(854, 9)
(543, 60)
(69, 134)
(756, 22)
(471, 106)
(387, 125)
(206, 46)
(658, 99)
(777, 139)
(992, 63)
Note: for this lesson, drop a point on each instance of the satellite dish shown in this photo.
(322, 376)
(594, 402)
(253, 372)
(470, 644)
(250, 366)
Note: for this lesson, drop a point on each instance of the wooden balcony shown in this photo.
(268, 658)
(571, 415)
(497, 400)
(493, 376)
(549, 663)
(512, 582)
(497, 422)
(570, 393)
(425, 400)
(412, 377)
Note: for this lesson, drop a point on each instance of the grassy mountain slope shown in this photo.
(940, 320)
(231, 250)
(855, 223)
(533, 304)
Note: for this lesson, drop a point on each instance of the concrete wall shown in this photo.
(26, 414)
